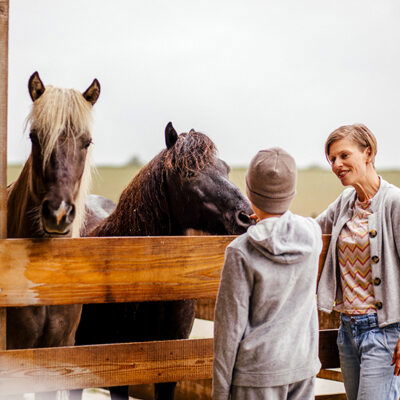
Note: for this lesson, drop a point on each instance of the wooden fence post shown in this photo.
(4, 12)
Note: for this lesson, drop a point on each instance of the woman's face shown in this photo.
(348, 162)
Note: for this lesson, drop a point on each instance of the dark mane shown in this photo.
(190, 154)
(143, 207)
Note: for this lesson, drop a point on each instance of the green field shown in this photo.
(316, 188)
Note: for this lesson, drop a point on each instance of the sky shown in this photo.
(251, 74)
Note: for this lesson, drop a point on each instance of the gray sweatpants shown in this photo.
(302, 390)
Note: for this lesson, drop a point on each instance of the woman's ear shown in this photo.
(368, 153)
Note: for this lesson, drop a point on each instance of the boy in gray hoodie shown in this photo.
(266, 326)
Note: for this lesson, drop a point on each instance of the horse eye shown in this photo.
(87, 143)
(34, 138)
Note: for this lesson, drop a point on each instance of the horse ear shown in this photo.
(92, 93)
(192, 131)
(35, 86)
(170, 135)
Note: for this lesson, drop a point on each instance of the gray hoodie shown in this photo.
(266, 325)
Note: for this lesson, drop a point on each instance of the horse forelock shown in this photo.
(190, 154)
(59, 112)
(84, 190)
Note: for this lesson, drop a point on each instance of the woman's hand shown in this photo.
(396, 359)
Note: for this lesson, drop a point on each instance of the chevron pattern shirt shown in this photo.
(355, 264)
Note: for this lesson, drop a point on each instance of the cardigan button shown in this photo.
(377, 281)
(372, 233)
(375, 259)
(379, 305)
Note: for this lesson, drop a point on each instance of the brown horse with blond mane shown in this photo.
(47, 201)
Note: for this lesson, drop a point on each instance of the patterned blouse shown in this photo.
(355, 264)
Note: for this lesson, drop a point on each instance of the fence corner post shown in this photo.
(4, 17)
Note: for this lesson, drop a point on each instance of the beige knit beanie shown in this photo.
(271, 180)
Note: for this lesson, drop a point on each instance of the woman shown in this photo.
(361, 275)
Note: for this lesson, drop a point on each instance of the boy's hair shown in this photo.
(271, 180)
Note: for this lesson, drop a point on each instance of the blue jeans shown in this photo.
(366, 352)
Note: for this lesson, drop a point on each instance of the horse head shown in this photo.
(203, 198)
(60, 132)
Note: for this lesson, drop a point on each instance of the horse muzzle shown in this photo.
(57, 217)
(242, 221)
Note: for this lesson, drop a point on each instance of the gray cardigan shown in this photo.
(266, 326)
(384, 228)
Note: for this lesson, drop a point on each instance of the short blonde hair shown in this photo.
(358, 133)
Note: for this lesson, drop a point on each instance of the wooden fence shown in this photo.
(97, 270)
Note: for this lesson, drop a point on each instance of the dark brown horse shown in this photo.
(185, 186)
(47, 201)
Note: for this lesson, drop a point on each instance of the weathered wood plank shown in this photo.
(107, 365)
(94, 270)
(118, 269)
(330, 375)
(4, 13)
(117, 364)
(205, 309)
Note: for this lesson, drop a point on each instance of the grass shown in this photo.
(316, 188)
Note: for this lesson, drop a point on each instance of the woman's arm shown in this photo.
(326, 221)
(394, 209)
(327, 217)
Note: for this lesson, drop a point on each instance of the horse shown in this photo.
(185, 186)
(48, 201)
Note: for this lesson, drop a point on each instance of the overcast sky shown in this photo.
(251, 74)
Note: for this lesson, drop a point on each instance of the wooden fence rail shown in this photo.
(108, 270)
(119, 364)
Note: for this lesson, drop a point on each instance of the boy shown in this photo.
(266, 326)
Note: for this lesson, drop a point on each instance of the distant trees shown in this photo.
(135, 161)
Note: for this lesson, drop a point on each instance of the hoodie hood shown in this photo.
(285, 239)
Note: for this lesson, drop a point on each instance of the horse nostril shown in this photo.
(70, 214)
(243, 218)
(46, 211)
